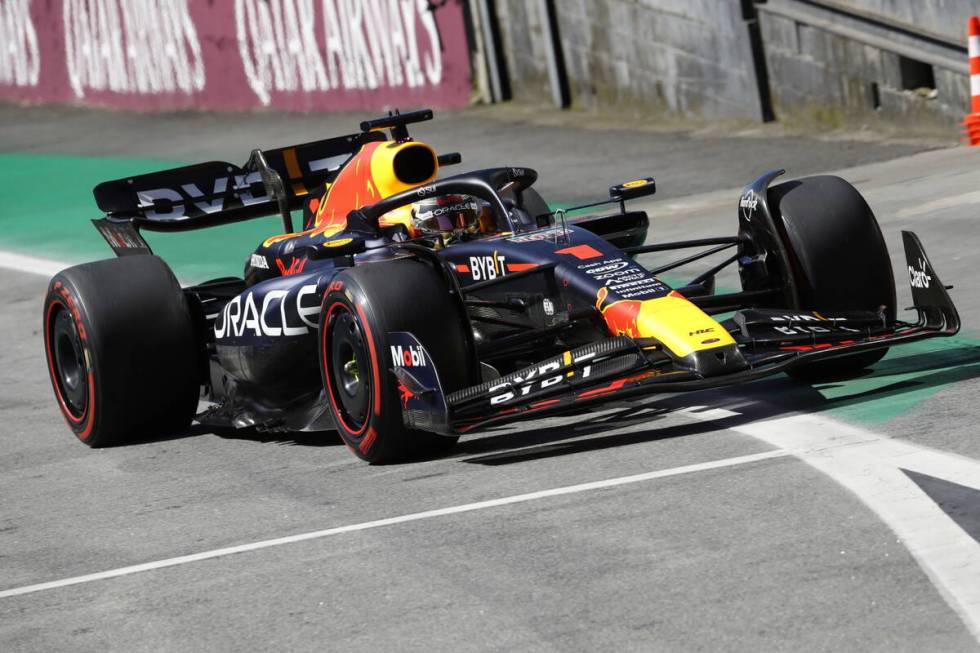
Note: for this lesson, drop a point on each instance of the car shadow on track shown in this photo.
(567, 439)
(888, 381)
(285, 438)
(892, 380)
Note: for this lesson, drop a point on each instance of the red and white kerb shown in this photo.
(972, 121)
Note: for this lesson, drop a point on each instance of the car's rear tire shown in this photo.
(363, 305)
(839, 259)
(121, 348)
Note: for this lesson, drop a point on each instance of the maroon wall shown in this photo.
(305, 55)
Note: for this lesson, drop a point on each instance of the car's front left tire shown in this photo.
(363, 305)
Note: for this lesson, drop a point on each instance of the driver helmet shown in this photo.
(451, 216)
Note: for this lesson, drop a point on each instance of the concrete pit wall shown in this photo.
(827, 63)
(897, 63)
(682, 57)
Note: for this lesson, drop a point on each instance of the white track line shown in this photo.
(31, 264)
(870, 465)
(391, 521)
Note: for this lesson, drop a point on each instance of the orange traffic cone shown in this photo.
(972, 121)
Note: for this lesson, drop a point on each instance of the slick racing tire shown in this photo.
(839, 259)
(362, 306)
(121, 350)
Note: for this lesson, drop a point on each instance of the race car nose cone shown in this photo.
(716, 361)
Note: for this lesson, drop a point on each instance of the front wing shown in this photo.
(621, 367)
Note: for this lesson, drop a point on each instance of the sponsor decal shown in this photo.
(77, 315)
(636, 183)
(132, 47)
(422, 191)
(747, 204)
(919, 278)
(258, 261)
(631, 288)
(189, 200)
(483, 268)
(541, 377)
(549, 307)
(376, 44)
(339, 242)
(410, 356)
(234, 54)
(121, 236)
(405, 394)
(459, 207)
(20, 56)
(795, 329)
(276, 313)
(801, 330)
(796, 318)
(614, 272)
(604, 267)
(701, 332)
(547, 234)
(296, 266)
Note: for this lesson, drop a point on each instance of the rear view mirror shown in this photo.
(633, 189)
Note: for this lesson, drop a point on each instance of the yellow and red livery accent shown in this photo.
(378, 170)
(672, 320)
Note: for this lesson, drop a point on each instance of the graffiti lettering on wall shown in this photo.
(235, 54)
(20, 58)
(366, 44)
(132, 46)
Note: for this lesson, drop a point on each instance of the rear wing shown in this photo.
(213, 193)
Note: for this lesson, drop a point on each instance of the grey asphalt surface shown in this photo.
(577, 158)
(768, 555)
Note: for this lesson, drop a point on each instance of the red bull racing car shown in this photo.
(413, 307)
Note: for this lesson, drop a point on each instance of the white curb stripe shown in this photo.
(31, 264)
(870, 466)
(391, 521)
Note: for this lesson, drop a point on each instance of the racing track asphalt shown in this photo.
(765, 553)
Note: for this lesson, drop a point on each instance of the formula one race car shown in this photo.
(411, 308)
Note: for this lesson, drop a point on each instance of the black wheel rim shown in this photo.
(69, 363)
(350, 370)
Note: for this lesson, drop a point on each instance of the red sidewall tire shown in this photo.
(136, 353)
(61, 300)
(359, 438)
(390, 296)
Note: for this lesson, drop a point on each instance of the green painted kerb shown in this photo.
(47, 207)
(908, 375)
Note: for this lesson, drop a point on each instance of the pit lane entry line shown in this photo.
(872, 467)
(31, 264)
(391, 521)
